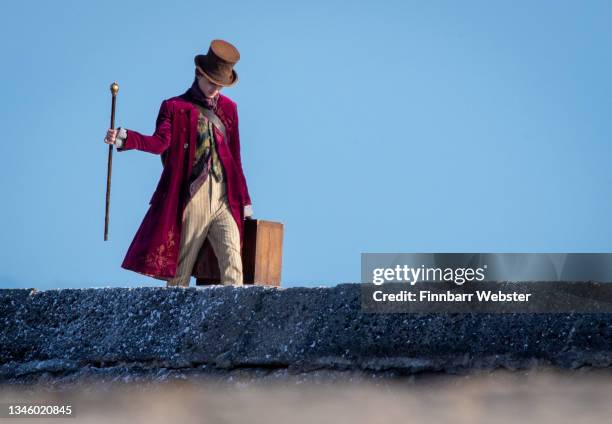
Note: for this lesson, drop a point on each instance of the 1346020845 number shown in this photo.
(9, 410)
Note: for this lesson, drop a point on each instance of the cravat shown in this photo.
(206, 157)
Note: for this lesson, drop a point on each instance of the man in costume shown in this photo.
(202, 198)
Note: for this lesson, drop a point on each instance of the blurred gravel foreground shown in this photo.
(539, 396)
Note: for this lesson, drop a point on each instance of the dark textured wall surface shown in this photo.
(63, 332)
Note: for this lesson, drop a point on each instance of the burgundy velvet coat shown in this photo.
(154, 251)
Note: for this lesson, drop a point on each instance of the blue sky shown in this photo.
(395, 126)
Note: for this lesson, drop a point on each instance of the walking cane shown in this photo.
(114, 88)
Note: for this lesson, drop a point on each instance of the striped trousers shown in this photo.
(207, 214)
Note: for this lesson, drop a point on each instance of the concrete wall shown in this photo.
(220, 329)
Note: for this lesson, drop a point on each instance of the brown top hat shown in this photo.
(217, 65)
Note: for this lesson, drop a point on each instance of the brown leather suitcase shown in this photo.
(262, 249)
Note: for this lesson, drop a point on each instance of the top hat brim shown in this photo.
(234, 79)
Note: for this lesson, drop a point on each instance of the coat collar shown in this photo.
(195, 95)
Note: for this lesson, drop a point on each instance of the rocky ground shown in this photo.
(285, 354)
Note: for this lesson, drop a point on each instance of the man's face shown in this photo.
(209, 88)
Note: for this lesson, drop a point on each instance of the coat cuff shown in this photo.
(248, 210)
(121, 136)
